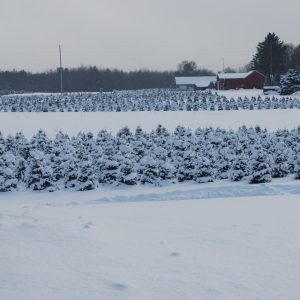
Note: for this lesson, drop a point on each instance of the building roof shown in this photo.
(234, 75)
(223, 75)
(198, 81)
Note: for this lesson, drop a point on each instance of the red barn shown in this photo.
(233, 81)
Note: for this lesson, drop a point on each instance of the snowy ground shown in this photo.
(73, 122)
(242, 93)
(252, 93)
(211, 241)
(104, 245)
(228, 93)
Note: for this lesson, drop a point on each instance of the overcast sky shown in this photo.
(134, 34)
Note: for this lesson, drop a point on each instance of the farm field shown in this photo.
(120, 245)
(150, 150)
(219, 240)
(92, 112)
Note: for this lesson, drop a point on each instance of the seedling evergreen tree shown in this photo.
(8, 181)
(289, 80)
(86, 179)
(166, 170)
(39, 175)
(239, 168)
(127, 173)
(280, 166)
(203, 171)
(185, 170)
(127, 170)
(148, 171)
(297, 163)
(260, 168)
(71, 172)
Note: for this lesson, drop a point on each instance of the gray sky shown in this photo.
(134, 34)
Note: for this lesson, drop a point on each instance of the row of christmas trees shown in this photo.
(84, 162)
(142, 100)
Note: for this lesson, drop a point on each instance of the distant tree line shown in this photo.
(190, 68)
(83, 79)
(273, 58)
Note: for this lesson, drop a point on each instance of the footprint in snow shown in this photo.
(175, 254)
(118, 286)
(87, 225)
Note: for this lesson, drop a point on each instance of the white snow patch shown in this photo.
(73, 122)
(231, 248)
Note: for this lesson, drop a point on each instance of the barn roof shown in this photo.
(223, 75)
(234, 75)
(198, 81)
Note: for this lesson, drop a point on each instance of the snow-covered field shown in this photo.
(110, 245)
(211, 241)
(251, 93)
(73, 122)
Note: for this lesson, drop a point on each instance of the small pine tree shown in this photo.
(165, 169)
(71, 172)
(239, 168)
(185, 170)
(8, 181)
(288, 81)
(280, 167)
(126, 172)
(260, 168)
(148, 171)
(39, 172)
(203, 172)
(297, 163)
(86, 179)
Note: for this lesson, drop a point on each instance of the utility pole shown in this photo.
(61, 71)
(223, 65)
(271, 63)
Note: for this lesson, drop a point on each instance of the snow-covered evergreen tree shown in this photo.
(166, 170)
(239, 168)
(39, 174)
(186, 169)
(260, 167)
(71, 173)
(297, 163)
(86, 179)
(203, 172)
(8, 180)
(280, 166)
(148, 171)
(127, 171)
(289, 80)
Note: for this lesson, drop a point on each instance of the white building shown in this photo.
(196, 82)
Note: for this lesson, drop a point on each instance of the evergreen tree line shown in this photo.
(141, 100)
(90, 79)
(85, 162)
